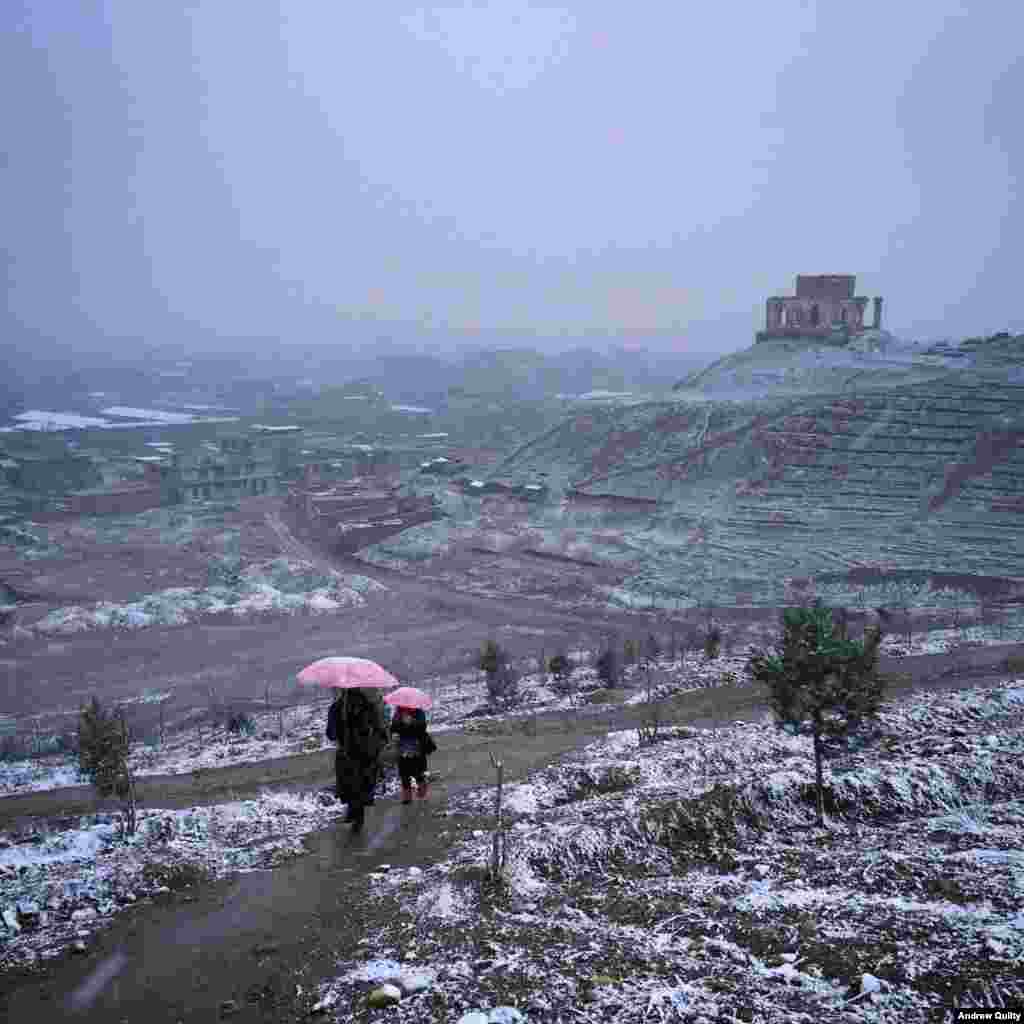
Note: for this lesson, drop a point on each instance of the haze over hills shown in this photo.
(63, 382)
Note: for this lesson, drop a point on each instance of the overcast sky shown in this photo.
(238, 169)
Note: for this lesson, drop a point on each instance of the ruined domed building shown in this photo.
(824, 308)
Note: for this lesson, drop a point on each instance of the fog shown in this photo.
(232, 175)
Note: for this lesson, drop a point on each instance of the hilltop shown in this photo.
(875, 359)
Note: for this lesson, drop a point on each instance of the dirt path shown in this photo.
(252, 938)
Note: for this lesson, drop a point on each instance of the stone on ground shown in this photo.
(386, 995)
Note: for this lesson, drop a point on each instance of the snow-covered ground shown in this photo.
(58, 888)
(281, 733)
(687, 881)
(274, 586)
(684, 876)
(39, 419)
(459, 701)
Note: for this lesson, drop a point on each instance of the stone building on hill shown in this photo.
(824, 308)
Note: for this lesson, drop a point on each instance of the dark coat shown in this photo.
(356, 724)
(413, 740)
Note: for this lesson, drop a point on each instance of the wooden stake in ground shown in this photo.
(127, 788)
(497, 843)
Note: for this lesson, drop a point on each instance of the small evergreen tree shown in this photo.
(608, 667)
(820, 683)
(492, 657)
(502, 678)
(562, 669)
(104, 742)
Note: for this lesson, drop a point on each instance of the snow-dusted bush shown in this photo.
(240, 724)
(417, 544)
(224, 571)
(292, 587)
(29, 541)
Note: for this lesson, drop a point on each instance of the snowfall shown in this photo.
(682, 879)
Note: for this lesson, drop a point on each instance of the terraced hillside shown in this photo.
(927, 473)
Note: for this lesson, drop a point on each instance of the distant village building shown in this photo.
(824, 307)
(230, 469)
(234, 468)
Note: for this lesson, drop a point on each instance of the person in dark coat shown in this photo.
(414, 745)
(356, 724)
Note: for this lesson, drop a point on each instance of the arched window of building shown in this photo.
(815, 315)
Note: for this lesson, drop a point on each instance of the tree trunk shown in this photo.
(131, 802)
(819, 781)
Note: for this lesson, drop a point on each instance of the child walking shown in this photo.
(414, 746)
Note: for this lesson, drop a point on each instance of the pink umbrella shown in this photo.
(347, 673)
(409, 697)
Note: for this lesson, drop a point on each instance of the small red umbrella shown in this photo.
(347, 673)
(409, 697)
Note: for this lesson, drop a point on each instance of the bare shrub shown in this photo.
(503, 679)
(630, 651)
(649, 731)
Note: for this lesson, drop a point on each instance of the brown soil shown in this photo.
(419, 626)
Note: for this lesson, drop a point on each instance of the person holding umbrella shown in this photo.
(355, 721)
(415, 744)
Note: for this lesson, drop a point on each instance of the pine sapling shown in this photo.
(104, 743)
(821, 683)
